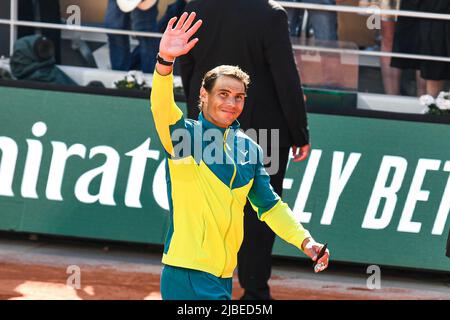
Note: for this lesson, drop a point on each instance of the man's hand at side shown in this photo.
(300, 153)
(312, 249)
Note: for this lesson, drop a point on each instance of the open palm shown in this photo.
(175, 40)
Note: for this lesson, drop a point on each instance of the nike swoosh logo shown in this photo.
(244, 163)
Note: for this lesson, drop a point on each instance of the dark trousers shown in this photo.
(448, 245)
(144, 56)
(255, 255)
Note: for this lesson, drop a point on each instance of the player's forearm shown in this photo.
(162, 86)
(162, 97)
(162, 69)
(164, 109)
(282, 221)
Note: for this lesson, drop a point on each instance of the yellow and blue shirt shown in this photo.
(207, 198)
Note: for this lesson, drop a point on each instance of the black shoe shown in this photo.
(256, 296)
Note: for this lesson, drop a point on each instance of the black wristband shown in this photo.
(162, 61)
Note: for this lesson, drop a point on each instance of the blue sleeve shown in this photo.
(272, 210)
(262, 196)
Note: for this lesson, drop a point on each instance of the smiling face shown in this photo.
(225, 101)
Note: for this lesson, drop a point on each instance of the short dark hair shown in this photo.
(209, 80)
(44, 48)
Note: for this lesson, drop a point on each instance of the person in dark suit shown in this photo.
(254, 35)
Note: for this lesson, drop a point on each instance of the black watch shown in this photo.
(163, 62)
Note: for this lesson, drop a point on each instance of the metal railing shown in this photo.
(362, 10)
(13, 22)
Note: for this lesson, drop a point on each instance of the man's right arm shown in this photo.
(174, 43)
(164, 109)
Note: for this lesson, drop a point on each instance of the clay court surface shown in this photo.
(38, 270)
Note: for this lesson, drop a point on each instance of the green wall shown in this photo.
(389, 179)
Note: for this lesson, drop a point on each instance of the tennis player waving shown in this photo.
(208, 190)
